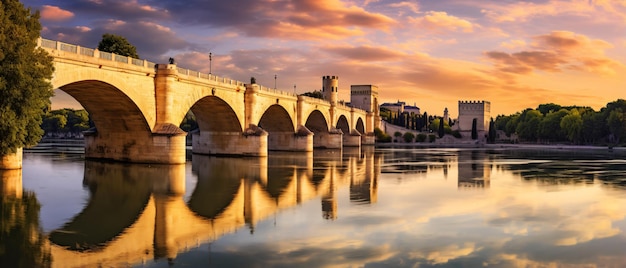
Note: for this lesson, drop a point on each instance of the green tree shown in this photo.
(440, 130)
(117, 44)
(617, 124)
(529, 124)
(550, 126)
(408, 136)
(572, 125)
(318, 95)
(492, 131)
(25, 72)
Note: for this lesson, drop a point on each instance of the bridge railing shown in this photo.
(57, 45)
(76, 49)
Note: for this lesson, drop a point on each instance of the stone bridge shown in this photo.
(137, 107)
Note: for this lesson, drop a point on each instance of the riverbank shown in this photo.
(505, 146)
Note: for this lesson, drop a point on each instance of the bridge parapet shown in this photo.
(89, 52)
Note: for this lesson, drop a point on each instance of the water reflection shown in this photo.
(359, 207)
(22, 243)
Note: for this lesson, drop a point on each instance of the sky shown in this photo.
(431, 53)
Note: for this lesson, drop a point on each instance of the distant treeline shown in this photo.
(65, 123)
(71, 123)
(579, 125)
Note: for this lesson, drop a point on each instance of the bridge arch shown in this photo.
(360, 126)
(316, 122)
(110, 108)
(215, 115)
(119, 96)
(343, 124)
(276, 119)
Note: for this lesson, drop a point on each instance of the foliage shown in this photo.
(440, 130)
(474, 130)
(491, 137)
(21, 238)
(457, 134)
(189, 122)
(420, 137)
(580, 125)
(408, 136)
(25, 72)
(432, 137)
(381, 136)
(117, 44)
(315, 94)
(617, 124)
(572, 125)
(66, 121)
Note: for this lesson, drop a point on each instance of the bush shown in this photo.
(420, 137)
(457, 134)
(432, 137)
(408, 137)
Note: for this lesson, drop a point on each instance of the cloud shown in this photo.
(54, 13)
(366, 53)
(513, 44)
(518, 11)
(161, 39)
(291, 19)
(413, 6)
(557, 51)
(441, 21)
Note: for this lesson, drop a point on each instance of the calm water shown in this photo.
(370, 208)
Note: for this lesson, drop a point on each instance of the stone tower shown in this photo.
(446, 116)
(330, 88)
(364, 97)
(468, 110)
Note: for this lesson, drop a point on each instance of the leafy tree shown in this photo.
(408, 136)
(432, 138)
(617, 124)
(420, 137)
(550, 126)
(548, 107)
(189, 122)
(117, 44)
(397, 135)
(25, 71)
(529, 124)
(318, 95)
(440, 130)
(474, 129)
(492, 131)
(572, 125)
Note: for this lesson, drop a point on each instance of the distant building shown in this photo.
(412, 109)
(470, 110)
(446, 116)
(364, 97)
(394, 107)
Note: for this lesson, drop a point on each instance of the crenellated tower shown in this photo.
(330, 87)
(468, 110)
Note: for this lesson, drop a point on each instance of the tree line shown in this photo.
(576, 124)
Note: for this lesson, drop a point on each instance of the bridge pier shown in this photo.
(252, 142)
(353, 139)
(368, 139)
(330, 140)
(165, 146)
(300, 141)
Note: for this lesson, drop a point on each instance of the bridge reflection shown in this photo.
(136, 213)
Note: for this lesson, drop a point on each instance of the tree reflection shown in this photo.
(21, 237)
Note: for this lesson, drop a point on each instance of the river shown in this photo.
(383, 207)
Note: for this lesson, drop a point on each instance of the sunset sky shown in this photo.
(516, 54)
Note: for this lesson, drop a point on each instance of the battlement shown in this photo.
(473, 102)
(330, 77)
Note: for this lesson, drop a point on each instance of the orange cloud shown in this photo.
(54, 13)
(437, 21)
(556, 52)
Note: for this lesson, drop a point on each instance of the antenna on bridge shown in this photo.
(294, 89)
(210, 60)
(275, 81)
